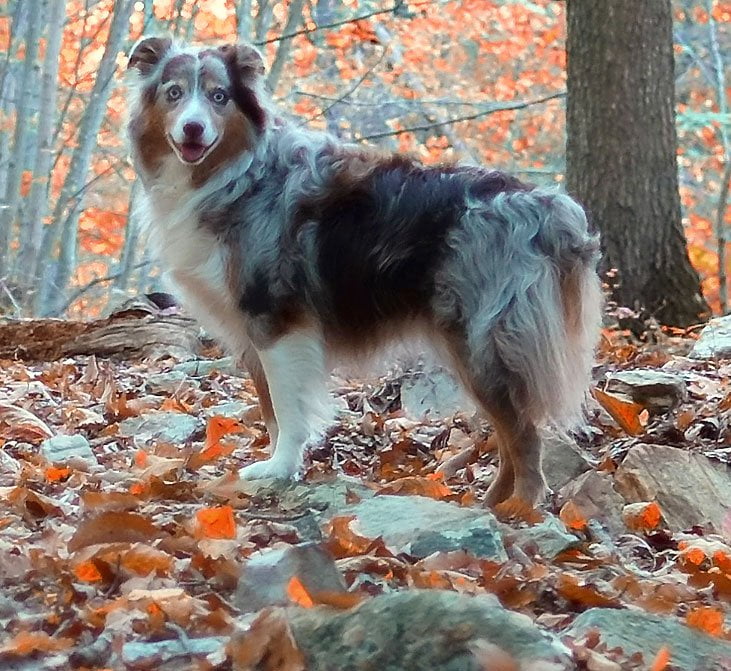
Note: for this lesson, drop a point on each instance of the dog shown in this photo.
(292, 247)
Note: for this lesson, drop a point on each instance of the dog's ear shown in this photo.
(245, 60)
(147, 53)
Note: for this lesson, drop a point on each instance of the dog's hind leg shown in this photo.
(294, 366)
(520, 473)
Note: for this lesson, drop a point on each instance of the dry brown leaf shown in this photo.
(268, 645)
(112, 526)
(433, 487)
(28, 642)
(17, 423)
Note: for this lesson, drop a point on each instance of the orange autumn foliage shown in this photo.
(216, 522)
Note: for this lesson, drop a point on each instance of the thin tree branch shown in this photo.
(342, 22)
(90, 285)
(499, 107)
(350, 91)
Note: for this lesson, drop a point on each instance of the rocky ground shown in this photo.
(128, 542)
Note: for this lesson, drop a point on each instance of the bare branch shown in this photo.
(498, 107)
(342, 22)
(90, 285)
(350, 91)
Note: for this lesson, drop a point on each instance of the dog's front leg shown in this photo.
(252, 363)
(294, 365)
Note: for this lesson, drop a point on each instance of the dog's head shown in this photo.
(202, 104)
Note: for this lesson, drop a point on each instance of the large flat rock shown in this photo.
(634, 631)
(714, 341)
(419, 630)
(689, 488)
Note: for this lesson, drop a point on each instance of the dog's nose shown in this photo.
(193, 130)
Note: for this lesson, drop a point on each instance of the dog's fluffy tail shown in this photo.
(547, 330)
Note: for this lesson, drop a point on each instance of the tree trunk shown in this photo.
(21, 137)
(68, 206)
(621, 151)
(131, 240)
(294, 17)
(39, 193)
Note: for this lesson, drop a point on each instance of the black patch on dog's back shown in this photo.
(381, 239)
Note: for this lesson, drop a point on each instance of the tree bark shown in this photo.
(294, 17)
(39, 193)
(21, 137)
(621, 151)
(68, 207)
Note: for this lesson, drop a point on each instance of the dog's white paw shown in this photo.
(276, 469)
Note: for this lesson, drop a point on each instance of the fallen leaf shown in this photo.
(642, 516)
(572, 516)
(217, 522)
(298, 594)
(706, 618)
(27, 642)
(268, 645)
(662, 659)
(626, 413)
(112, 526)
(420, 486)
(17, 423)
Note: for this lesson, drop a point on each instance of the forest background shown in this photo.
(475, 80)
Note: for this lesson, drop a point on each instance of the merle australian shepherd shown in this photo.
(291, 247)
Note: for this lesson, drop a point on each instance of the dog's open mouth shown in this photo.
(192, 152)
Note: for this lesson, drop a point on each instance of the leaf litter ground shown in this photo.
(130, 558)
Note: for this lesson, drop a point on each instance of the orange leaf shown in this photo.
(88, 572)
(217, 522)
(343, 541)
(572, 516)
(176, 405)
(662, 659)
(54, 474)
(218, 426)
(209, 454)
(706, 618)
(297, 593)
(27, 642)
(642, 516)
(140, 458)
(431, 487)
(626, 413)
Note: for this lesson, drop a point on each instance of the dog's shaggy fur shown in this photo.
(291, 246)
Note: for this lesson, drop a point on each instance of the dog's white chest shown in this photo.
(196, 264)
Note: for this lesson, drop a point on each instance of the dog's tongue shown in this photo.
(192, 151)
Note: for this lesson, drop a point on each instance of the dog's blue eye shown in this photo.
(174, 92)
(219, 96)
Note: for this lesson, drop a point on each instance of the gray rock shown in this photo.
(562, 460)
(203, 367)
(549, 538)
(151, 655)
(422, 526)
(434, 393)
(634, 631)
(171, 427)
(596, 498)
(266, 576)
(715, 340)
(65, 449)
(414, 524)
(655, 390)
(166, 383)
(417, 630)
(245, 412)
(689, 488)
